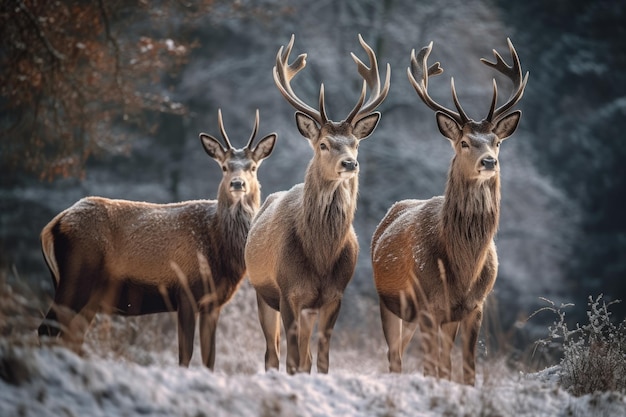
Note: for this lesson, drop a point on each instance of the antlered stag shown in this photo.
(435, 261)
(133, 258)
(302, 249)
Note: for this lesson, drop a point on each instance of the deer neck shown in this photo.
(469, 222)
(232, 221)
(327, 212)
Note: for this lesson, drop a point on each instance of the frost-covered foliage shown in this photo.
(594, 353)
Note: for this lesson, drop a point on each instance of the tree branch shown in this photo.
(40, 34)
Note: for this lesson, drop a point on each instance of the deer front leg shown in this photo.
(290, 325)
(186, 330)
(328, 318)
(447, 336)
(306, 321)
(471, 327)
(430, 342)
(392, 330)
(208, 325)
(270, 325)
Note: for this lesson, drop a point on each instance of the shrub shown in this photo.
(593, 354)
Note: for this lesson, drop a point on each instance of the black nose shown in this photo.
(489, 163)
(349, 164)
(237, 184)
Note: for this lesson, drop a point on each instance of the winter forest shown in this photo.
(107, 98)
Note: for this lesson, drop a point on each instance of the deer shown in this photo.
(434, 261)
(302, 248)
(133, 258)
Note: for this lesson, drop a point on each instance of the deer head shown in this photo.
(335, 143)
(239, 166)
(476, 144)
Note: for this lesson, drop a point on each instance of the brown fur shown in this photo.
(434, 261)
(133, 258)
(302, 249)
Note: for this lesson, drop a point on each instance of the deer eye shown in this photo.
(224, 169)
(498, 144)
(464, 144)
(253, 168)
(323, 146)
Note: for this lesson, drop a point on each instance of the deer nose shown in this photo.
(237, 184)
(349, 164)
(489, 162)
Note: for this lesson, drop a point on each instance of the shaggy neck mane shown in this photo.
(327, 213)
(469, 221)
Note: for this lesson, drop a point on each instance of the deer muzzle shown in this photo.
(237, 185)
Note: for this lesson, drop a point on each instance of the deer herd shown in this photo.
(434, 261)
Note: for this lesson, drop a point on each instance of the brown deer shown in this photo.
(134, 258)
(302, 249)
(434, 261)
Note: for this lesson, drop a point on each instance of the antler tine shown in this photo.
(220, 123)
(371, 79)
(284, 73)
(254, 129)
(514, 72)
(419, 70)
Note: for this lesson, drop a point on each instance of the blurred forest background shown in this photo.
(108, 98)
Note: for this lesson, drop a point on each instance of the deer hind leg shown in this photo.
(71, 314)
(208, 325)
(328, 318)
(447, 336)
(186, 329)
(270, 325)
(392, 330)
(471, 327)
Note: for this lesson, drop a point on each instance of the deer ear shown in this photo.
(364, 127)
(307, 126)
(212, 147)
(448, 126)
(507, 125)
(264, 148)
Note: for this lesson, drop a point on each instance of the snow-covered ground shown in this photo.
(129, 368)
(55, 382)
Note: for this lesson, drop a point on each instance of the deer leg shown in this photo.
(328, 318)
(471, 327)
(408, 330)
(290, 324)
(392, 330)
(77, 324)
(448, 334)
(430, 342)
(270, 325)
(208, 325)
(186, 329)
(306, 322)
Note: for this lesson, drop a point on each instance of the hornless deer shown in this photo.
(302, 249)
(435, 261)
(133, 258)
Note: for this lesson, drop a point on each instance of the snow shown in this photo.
(52, 381)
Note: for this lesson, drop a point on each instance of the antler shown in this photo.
(254, 130)
(514, 72)
(283, 74)
(220, 123)
(371, 78)
(419, 70)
